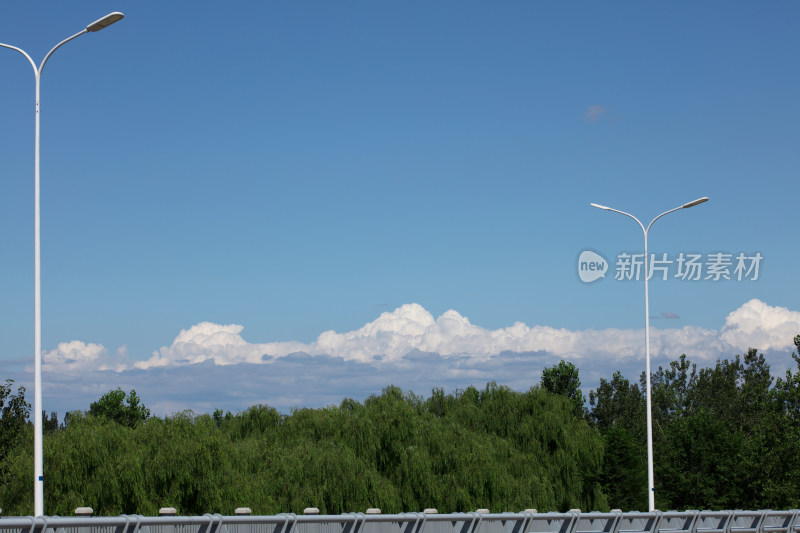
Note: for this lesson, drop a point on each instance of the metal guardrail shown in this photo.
(574, 521)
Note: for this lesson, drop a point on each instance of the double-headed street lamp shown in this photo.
(650, 481)
(38, 475)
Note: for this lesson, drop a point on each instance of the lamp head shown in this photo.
(106, 21)
(598, 206)
(695, 202)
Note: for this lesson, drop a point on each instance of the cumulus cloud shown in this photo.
(393, 336)
(221, 344)
(76, 356)
(758, 325)
(409, 328)
(210, 366)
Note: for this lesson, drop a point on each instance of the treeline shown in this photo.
(492, 447)
(725, 437)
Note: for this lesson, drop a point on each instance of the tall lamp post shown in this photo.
(650, 481)
(38, 475)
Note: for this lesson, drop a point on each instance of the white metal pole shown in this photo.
(38, 455)
(651, 491)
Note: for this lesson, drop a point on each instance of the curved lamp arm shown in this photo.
(606, 208)
(23, 52)
(56, 47)
(684, 206)
(38, 71)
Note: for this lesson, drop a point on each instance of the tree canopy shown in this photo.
(14, 411)
(123, 409)
(563, 379)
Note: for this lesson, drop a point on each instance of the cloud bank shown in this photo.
(210, 366)
(409, 328)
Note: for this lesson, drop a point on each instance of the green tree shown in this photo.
(623, 477)
(674, 390)
(618, 403)
(776, 447)
(618, 412)
(788, 390)
(49, 423)
(14, 412)
(722, 437)
(563, 380)
(126, 410)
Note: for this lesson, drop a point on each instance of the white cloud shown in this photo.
(76, 356)
(393, 335)
(758, 325)
(221, 344)
(410, 327)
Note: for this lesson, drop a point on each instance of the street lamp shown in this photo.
(38, 475)
(650, 482)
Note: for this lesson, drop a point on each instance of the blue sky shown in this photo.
(295, 168)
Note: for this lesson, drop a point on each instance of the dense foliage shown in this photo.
(727, 436)
(123, 409)
(14, 411)
(724, 437)
(563, 380)
(493, 448)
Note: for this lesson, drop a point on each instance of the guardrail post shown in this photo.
(82, 512)
(168, 511)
